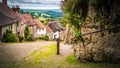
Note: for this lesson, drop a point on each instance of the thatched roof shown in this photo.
(7, 15)
(7, 10)
(55, 26)
(5, 20)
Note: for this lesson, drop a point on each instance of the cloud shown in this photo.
(50, 2)
(36, 4)
(0, 0)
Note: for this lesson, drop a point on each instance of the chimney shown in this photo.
(13, 8)
(18, 9)
(4, 1)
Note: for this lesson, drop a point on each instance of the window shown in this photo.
(10, 27)
(42, 29)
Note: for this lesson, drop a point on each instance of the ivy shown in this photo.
(76, 12)
(101, 22)
(27, 32)
(76, 32)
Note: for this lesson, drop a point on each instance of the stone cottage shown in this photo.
(27, 20)
(40, 29)
(8, 19)
(49, 32)
(57, 28)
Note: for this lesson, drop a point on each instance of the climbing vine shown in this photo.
(103, 17)
(76, 12)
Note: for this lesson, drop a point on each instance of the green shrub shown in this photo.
(21, 38)
(30, 38)
(27, 32)
(45, 37)
(71, 59)
(8, 36)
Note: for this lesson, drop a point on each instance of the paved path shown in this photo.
(14, 52)
(65, 50)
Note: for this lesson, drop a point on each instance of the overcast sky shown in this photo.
(36, 4)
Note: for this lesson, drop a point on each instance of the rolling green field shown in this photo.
(53, 13)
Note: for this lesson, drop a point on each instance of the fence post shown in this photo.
(58, 46)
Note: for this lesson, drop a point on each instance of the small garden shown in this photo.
(9, 36)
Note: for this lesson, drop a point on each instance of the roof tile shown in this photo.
(48, 29)
(27, 18)
(39, 23)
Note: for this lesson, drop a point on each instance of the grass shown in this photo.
(42, 18)
(42, 53)
(71, 59)
(46, 57)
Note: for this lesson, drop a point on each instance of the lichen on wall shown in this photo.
(96, 29)
(104, 45)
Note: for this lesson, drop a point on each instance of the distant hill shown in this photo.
(48, 13)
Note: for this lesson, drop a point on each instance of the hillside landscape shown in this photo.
(46, 13)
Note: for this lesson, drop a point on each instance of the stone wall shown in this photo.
(103, 46)
(99, 48)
